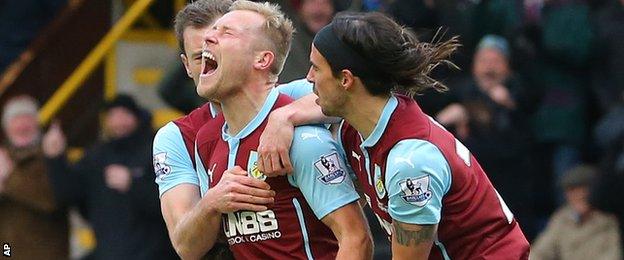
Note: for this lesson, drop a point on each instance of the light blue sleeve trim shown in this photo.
(324, 190)
(296, 89)
(304, 229)
(382, 123)
(420, 165)
(172, 162)
(202, 175)
(257, 120)
(344, 152)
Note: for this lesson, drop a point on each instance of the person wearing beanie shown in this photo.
(19, 121)
(123, 117)
(115, 185)
(577, 230)
(31, 221)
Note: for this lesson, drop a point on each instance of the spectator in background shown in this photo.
(577, 230)
(312, 15)
(31, 221)
(113, 185)
(555, 61)
(490, 117)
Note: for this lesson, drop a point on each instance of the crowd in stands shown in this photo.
(538, 99)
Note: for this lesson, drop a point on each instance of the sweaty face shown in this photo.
(490, 66)
(120, 122)
(228, 53)
(23, 130)
(331, 96)
(192, 57)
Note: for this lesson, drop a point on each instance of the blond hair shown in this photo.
(277, 28)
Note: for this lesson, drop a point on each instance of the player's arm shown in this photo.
(330, 192)
(411, 241)
(273, 158)
(351, 230)
(417, 178)
(181, 211)
(178, 187)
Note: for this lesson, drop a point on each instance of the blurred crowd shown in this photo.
(538, 99)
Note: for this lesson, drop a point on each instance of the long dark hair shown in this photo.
(403, 62)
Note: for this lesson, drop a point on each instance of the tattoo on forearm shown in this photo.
(407, 237)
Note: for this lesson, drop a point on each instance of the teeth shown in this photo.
(206, 54)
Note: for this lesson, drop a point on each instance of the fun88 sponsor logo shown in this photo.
(249, 226)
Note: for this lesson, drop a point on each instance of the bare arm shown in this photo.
(194, 223)
(277, 137)
(181, 210)
(410, 241)
(351, 229)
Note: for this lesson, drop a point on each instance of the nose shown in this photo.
(210, 37)
(310, 75)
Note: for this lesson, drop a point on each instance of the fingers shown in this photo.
(252, 182)
(285, 160)
(248, 198)
(261, 193)
(238, 175)
(236, 206)
(237, 170)
(261, 164)
(275, 163)
(268, 164)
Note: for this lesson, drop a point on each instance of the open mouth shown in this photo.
(209, 63)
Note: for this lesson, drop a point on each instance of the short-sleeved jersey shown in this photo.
(414, 171)
(290, 228)
(173, 149)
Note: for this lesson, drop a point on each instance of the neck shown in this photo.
(365, 118)
(241, 107)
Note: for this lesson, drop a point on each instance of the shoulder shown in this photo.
(296, 89)
(167, 135)
(416, 153)
(416, 158)
(310, 138)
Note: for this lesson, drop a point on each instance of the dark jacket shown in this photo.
(30, 219)
(126, 225)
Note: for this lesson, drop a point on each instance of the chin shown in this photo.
(328, 112)
(205, 89)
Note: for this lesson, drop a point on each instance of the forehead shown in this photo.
(194, 37)
(241, 20)
(490, 53)
(317, 58)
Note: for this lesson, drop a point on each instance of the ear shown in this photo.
(347, 79)
(185, 61)
(264, 60)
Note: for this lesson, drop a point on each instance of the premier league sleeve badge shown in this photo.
(416, 190)
(330, 168)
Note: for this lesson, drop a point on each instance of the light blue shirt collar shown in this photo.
(256, 121)
(213, 110)
(382, 123)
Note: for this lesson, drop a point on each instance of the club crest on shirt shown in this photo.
(252, 167)
(379, 184)
(160, 167)
(330, 168)
(416, 190)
